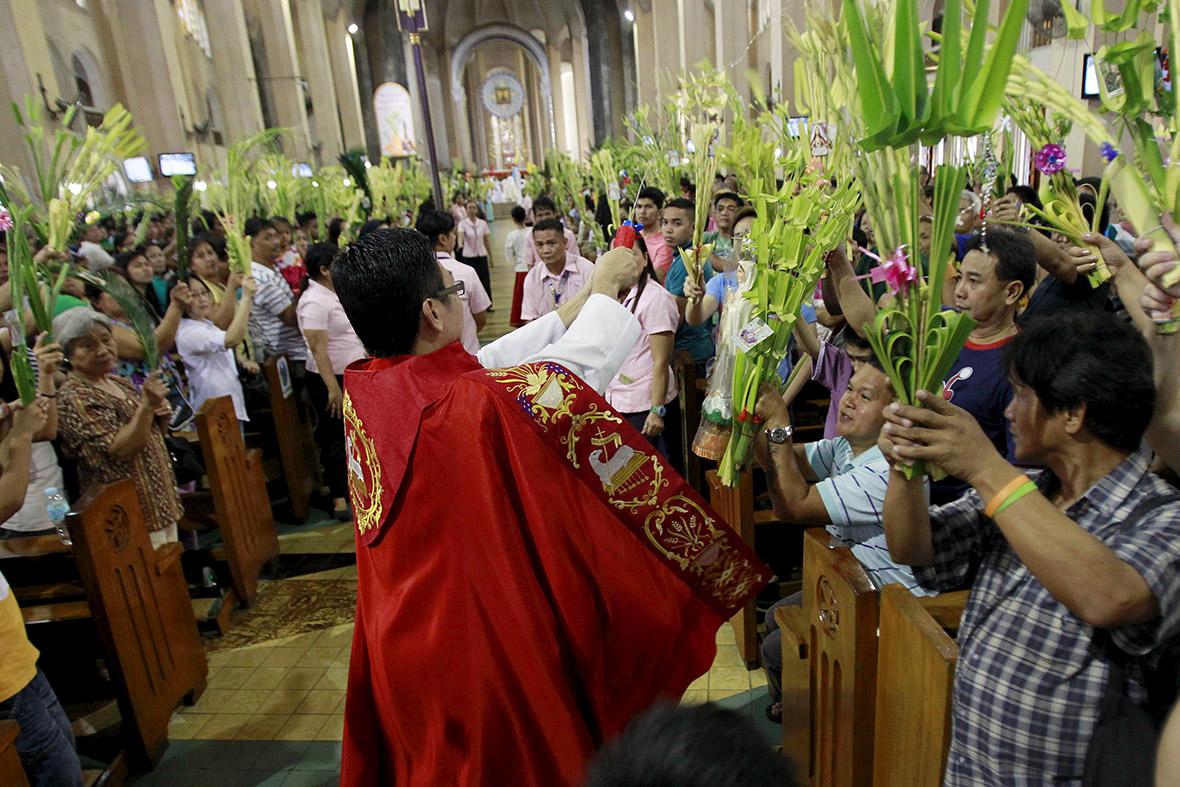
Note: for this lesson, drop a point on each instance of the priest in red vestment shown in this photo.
(531, 574)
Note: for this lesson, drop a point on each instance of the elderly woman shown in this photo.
(110, 428)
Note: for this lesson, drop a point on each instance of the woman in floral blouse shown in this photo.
(112, 430)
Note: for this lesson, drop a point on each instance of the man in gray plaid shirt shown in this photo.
(1063, 571)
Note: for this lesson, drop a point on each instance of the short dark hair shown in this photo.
(216, 242)
(683, 203)
(745, 212)
(305, 219)
(1091, 358)
(372, 225)
(549, 224)
(382, 280)
(1014, 253)
(729, 195)
(320, 255)
(690, 746)
(653, 194)
(256, 224)
(544, 202)
(277, 220)
(1027, 196)
(518, 214)
(434, 224)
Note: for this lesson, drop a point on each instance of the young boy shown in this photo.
(514, 253)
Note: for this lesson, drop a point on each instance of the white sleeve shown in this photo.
(595, 345)
(512, 348)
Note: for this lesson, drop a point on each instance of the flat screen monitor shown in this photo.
(797, 126)
(1089, 78)
(301, 170)
(177, 164)
(138, 169)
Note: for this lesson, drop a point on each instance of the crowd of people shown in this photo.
(1055, 430)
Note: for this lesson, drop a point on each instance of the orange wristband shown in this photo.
(1002, 495)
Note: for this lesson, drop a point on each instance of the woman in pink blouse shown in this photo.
(644, 390)
(474, 233)
(332, 344)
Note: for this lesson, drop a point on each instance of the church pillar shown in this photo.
(348, 102)
(284, 75)
(139, 42)
(317, 71)
(583, 100)
(563, 142)
(24, 55)
(696, 35)
(647, 69)
(233, 67)
(733, 38)
(667, 38)
(462, 125)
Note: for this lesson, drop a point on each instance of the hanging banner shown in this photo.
(395, 120)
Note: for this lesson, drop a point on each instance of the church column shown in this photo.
(348, 100)
(24, 54)
(581, 63)
(317, 70)
(667, 37)
(696, 40)
(646, 68)
(732, 41)
(139, 41)
(462, 126)
(234, 69)
(284, 75)
(558, 98)
(777, 45)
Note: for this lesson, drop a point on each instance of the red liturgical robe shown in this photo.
(531, 574)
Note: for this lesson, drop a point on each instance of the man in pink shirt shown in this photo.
(649, 207)
(474, 233)
(563, 273)
(439, 227)
(545, 208)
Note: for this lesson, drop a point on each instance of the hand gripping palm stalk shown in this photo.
(796, 227)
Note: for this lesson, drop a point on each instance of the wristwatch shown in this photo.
(660, 410)
(780, 435)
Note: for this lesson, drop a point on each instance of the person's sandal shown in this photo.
(774, 712)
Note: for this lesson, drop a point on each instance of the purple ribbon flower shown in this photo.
(1051, 159)
(1108, 152)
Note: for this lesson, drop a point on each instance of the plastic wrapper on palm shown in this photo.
(132, 304)
(915, 340)
(794, 231)
(69, 172)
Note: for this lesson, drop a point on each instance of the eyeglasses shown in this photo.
(456, 289)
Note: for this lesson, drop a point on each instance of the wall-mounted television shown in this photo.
(137, 169)
(177, 164)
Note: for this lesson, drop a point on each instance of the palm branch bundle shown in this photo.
(236, 199)
(23, 280)
(353, 163)
(796, 227)
(133, 306)
(602, 164)
(277, 185)
(182, 211)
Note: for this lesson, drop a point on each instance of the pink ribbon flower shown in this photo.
(1050, 159)
(896, 272)
(5, 219)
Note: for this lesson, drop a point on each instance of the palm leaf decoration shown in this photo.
(182, 210)
(354, 164)
(133, 306)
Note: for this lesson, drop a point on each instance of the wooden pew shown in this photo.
(12, 773)
(736, 506)
(299, 471)
(915, 677)
(139, 602)
(238, 487)
(830, 667)
(690, 416)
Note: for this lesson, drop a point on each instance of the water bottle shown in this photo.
(56, 505)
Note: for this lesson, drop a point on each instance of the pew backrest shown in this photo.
(297, 470)
(140, 605)
(915, 677)
(840, 606)
(239, 496)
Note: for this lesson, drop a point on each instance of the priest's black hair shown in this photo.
(382, 280)
(690, 746)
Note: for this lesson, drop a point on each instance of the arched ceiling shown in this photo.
(451, 20)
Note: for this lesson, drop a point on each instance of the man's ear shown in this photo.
(1075, 419)
(1014, 291)
(432, 317)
